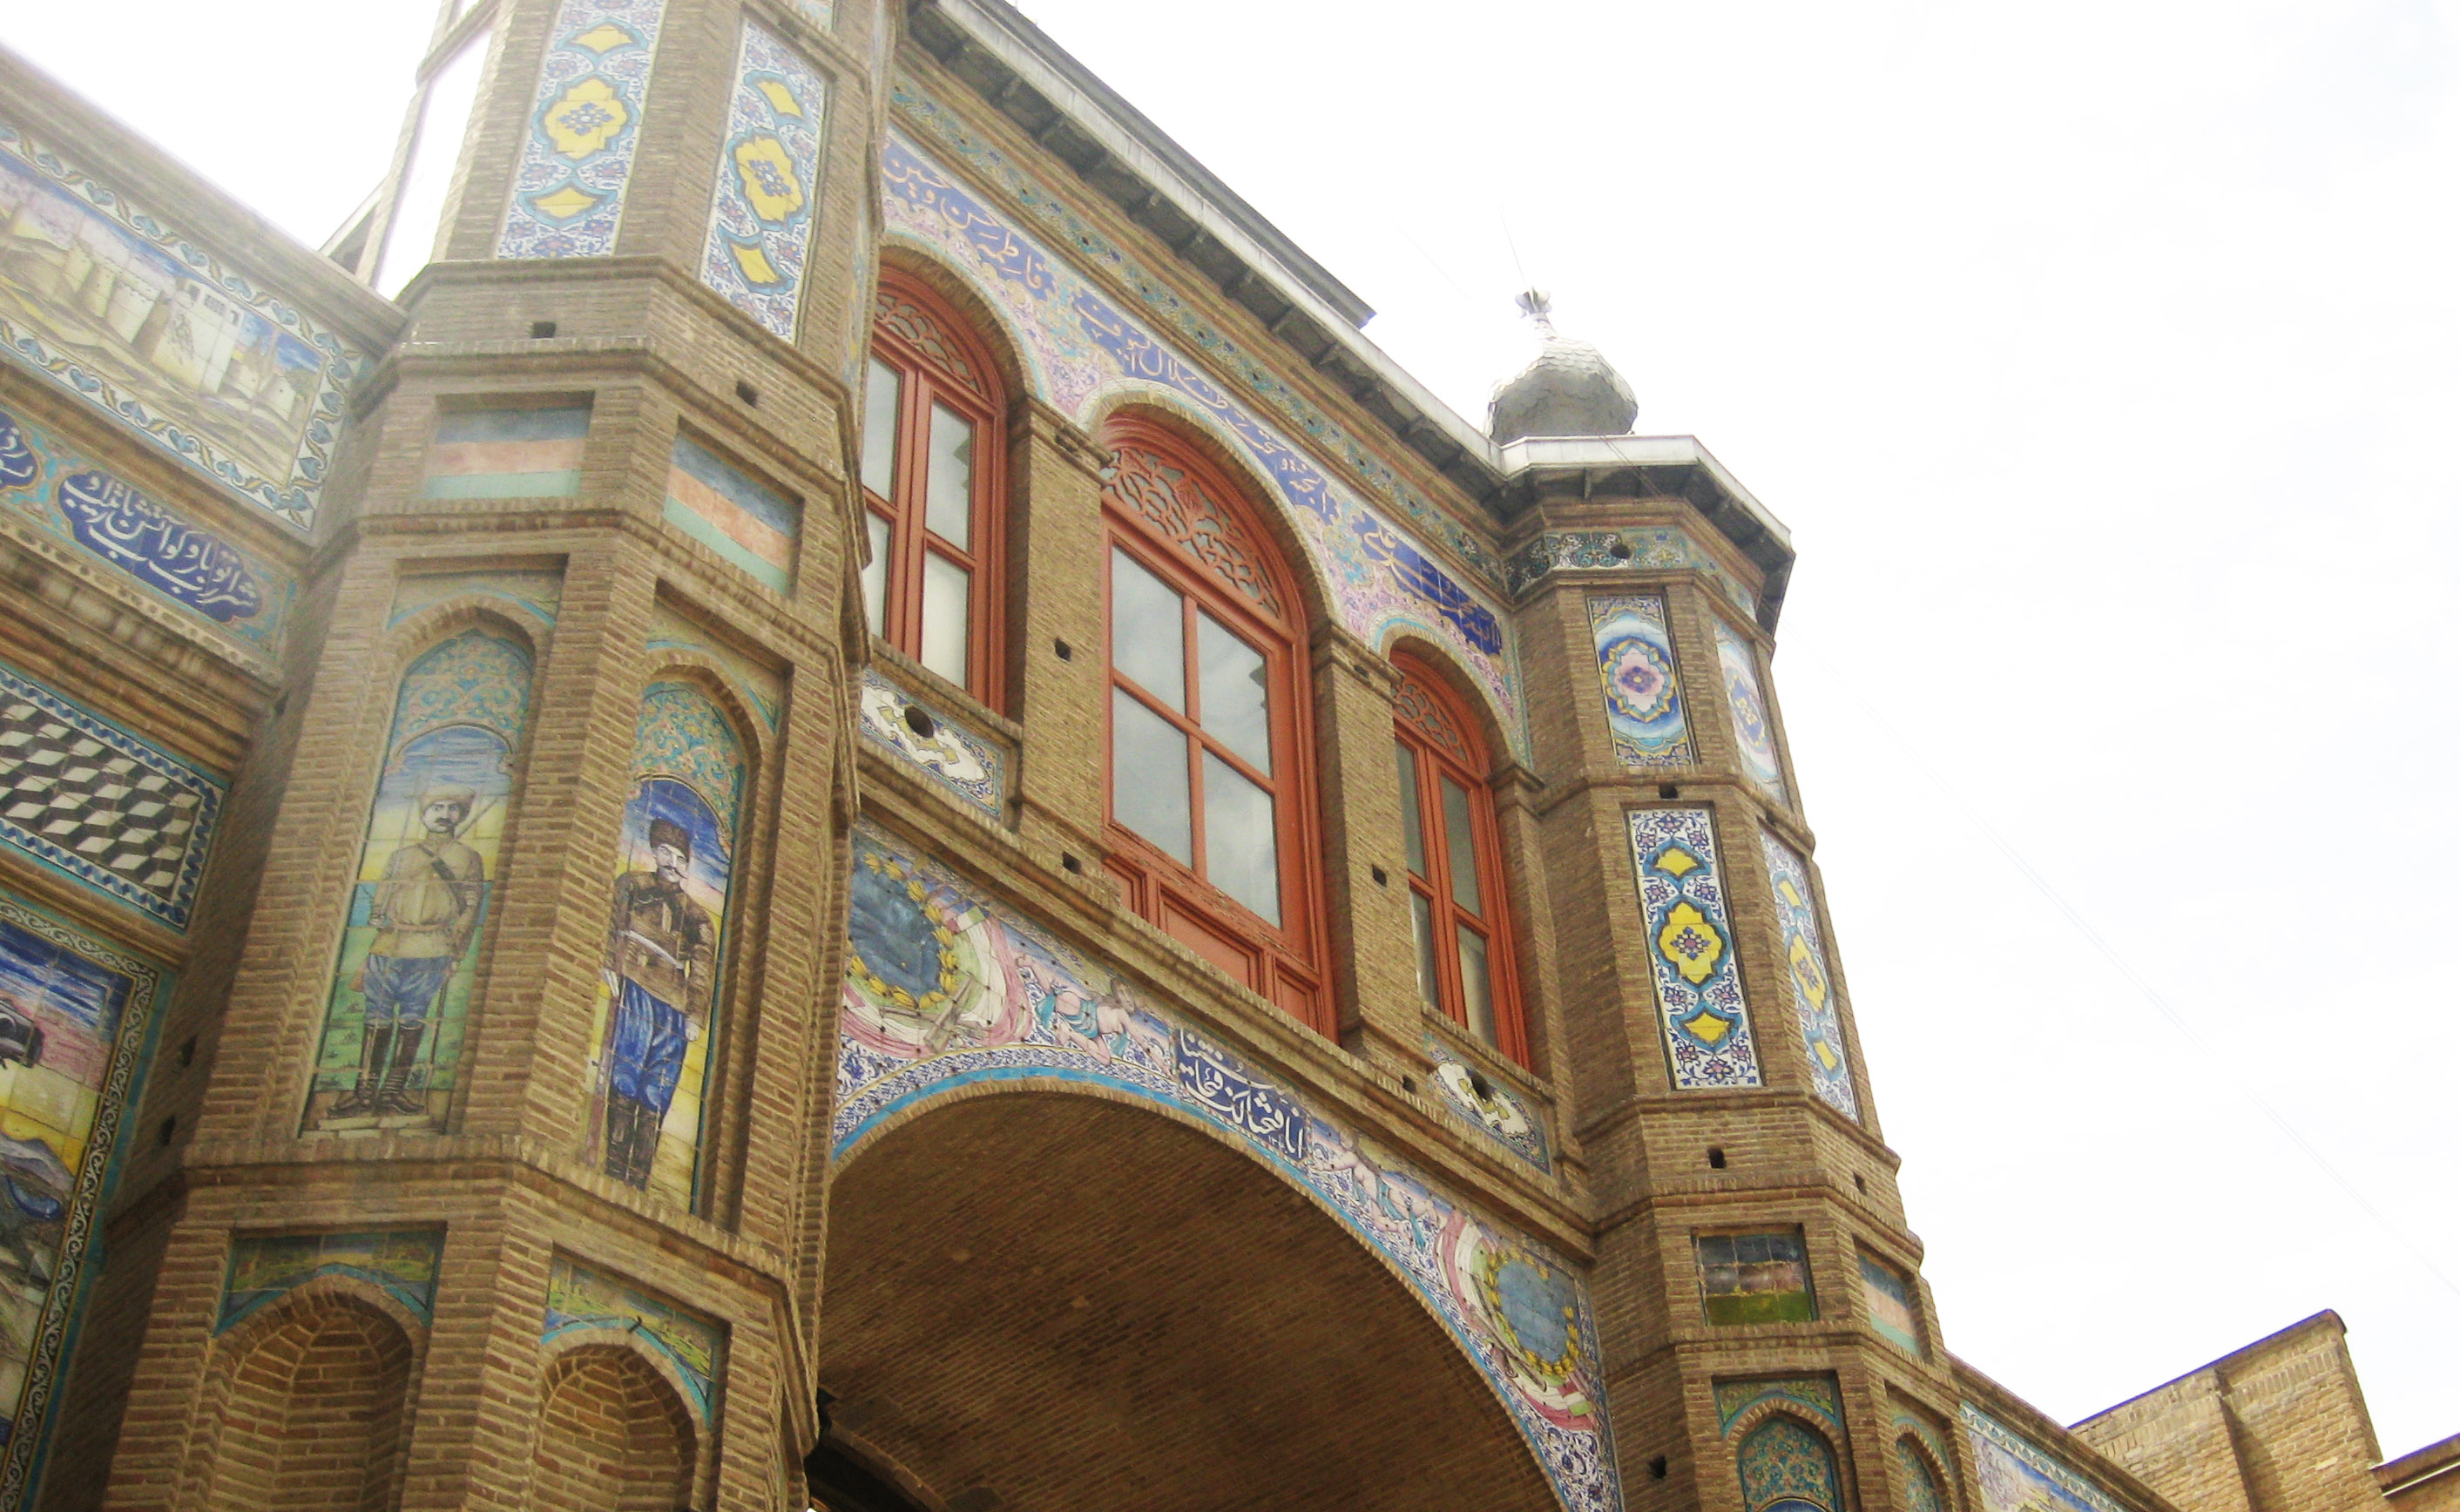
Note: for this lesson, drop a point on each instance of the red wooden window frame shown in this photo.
(1443, 741)
(1179, 517)
(939, 363)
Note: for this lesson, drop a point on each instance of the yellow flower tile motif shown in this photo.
(586, 120)
(1806, 968)
(766, 173)
(576, 162)
(767, 180)
(1701, 1008)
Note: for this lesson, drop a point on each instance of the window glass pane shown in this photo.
(1149, 776)
(1230, 688)
(875, 574)
(1145, 631)
(1477, 997)
(879, 429)
(1414, 832)
(1241, 856)
(1422, 916)
(1461, 845)
(944, 617)
(948, 487)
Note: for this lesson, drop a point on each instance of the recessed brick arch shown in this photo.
(613, 1437)
(1075, 1300)
(315, 1410)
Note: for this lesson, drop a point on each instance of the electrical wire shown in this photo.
(2226, 1068)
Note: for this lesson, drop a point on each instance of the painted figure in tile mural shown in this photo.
(409, 958)
(659, 973)
(661, 967)
(425, 913)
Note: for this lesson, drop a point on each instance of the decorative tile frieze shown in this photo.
(1494, 1109)
(1650, 549)
(2016, 1475)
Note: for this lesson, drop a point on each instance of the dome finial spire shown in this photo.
(1569, 390)
(1539, 306)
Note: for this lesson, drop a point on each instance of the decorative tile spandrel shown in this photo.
(1806, 967)
(767, 183)
(1503, 1115)
(1754, 731)
(1643, 698)
(75, 1020)
(93, 801)
(577, 159)
(580, 1299)
(1691, 947)
(224, 374)
(158, 548)
(947, 990)
(263, 1267)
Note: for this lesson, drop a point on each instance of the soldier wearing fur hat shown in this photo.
(661, 965)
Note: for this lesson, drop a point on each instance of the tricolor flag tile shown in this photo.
(507, 453)
(744, 521)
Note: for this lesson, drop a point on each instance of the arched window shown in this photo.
(1212, 790)
(1922, 1492)
(1456, 891)
(933, 461)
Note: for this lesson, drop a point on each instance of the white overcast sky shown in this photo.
(2104, 360)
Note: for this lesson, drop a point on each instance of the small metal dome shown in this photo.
(1569, 390)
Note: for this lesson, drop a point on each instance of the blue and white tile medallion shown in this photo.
(1692, 949)
(1806, 965)
(1754, 731)
(767, 182)
(585, 128)
(1644, 697)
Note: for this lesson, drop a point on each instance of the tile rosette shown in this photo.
(768, 181)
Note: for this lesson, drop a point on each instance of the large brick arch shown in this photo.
(315, 1409)
(1074, 1299)
(613, 1437)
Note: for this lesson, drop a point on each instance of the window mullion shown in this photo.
(1193, 724)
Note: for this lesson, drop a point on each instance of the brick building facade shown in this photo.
(801, 786)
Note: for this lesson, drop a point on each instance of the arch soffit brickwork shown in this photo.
(607, 1338)
(1075, 1085)
(311, 1301)
(1449, 1254)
